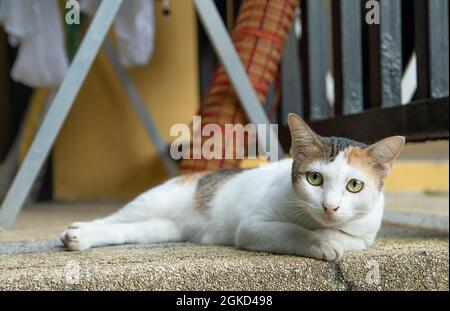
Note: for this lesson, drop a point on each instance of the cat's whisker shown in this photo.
(299, 202)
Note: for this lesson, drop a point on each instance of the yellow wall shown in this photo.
(103, 150)
(430, 176)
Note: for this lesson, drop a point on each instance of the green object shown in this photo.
(73, 38)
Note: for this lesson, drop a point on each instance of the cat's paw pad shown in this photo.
(76, 238)
(329, 250)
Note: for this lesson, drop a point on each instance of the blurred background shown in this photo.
(345, 76)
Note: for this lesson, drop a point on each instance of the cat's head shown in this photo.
(338, 179)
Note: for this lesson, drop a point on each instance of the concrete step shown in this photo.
(391, 264)
(407, 256)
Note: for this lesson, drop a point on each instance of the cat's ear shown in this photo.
(384, 152)
(304, 141)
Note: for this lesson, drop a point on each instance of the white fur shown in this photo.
(258, 209)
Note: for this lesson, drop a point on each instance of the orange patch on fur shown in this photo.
(357, 156)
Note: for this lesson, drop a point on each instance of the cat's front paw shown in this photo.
(76, 237)
(327, 249)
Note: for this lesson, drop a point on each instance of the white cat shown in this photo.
(326, 200)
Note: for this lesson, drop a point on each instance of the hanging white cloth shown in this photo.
(134, 27)
(36, 28)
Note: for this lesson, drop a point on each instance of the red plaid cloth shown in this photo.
(261, 30)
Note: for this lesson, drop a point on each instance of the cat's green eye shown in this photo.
(314, 178)
(355, 185)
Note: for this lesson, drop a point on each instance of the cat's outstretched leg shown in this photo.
(159, 202)
(134, 212)
(84, 235)
(148, 218)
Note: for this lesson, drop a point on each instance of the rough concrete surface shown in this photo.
(31, 258)
(392, 264)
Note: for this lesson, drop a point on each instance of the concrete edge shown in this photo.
(188, 267)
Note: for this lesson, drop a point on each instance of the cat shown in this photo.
(323, 201)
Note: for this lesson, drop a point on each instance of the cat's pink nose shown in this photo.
(329, 209)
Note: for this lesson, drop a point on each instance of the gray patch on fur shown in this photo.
(208, 185)
(338, 144)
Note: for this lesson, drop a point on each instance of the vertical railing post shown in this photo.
(291, 90)
(385, 57)
(431, 38)
(347, 56)
(315, 51)
(391, 52)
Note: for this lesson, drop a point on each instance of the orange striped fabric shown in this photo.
(261, 30)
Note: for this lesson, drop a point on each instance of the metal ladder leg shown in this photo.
(140, 108)
(58, 112)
